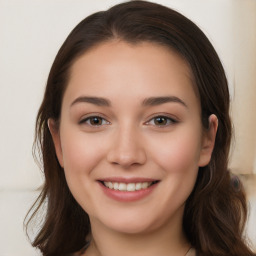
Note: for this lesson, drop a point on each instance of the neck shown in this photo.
(169, 240)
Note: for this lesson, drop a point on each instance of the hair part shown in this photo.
(215, 212)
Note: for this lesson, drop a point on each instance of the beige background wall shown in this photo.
(31, 31)
(244, 77)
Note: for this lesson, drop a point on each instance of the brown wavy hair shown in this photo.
(215, 212)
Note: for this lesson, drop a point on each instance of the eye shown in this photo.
(161, 121)
(94, 121)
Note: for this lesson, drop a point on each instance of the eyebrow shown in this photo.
(152, 101)
(93, 100)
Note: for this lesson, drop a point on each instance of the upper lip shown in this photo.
(127, 179)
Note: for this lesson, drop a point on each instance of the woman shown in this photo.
(134, 131)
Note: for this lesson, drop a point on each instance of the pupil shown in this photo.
(96, 121)
(160, 121)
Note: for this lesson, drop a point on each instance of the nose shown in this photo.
(127, 148)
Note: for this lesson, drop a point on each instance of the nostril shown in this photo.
(126, 160)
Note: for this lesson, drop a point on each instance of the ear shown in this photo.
(54, 130)
(208, 141)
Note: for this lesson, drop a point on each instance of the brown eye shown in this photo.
(162, 121)
(94, 121)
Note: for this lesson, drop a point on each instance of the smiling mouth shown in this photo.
(130, 187)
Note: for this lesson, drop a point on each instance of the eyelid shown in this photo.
(85, 118)
(170, 118)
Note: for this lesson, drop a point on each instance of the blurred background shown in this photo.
(31, 32)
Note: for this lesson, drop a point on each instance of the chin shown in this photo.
(130, 222)
(133, 227)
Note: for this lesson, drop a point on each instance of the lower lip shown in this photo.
(128, 196)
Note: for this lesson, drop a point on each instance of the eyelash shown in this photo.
(90, 118)
(168, 121)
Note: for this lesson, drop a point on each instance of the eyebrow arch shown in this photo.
(154, 101)
(93, 100)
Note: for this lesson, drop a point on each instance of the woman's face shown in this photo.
(130, 138)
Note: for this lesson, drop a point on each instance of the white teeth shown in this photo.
(122, 187)
(144, 185)
(110, 185)
(116, 186)
(131, 187)
(127, 186)
(138, 186)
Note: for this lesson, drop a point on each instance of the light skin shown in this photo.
(131, 111)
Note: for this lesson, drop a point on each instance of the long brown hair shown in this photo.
(216, 210)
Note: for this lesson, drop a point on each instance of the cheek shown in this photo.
(81, 153)
(178, 154)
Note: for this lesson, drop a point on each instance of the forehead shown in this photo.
(138, 70)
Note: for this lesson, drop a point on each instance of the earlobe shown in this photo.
(208, 141)
(54, 130)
